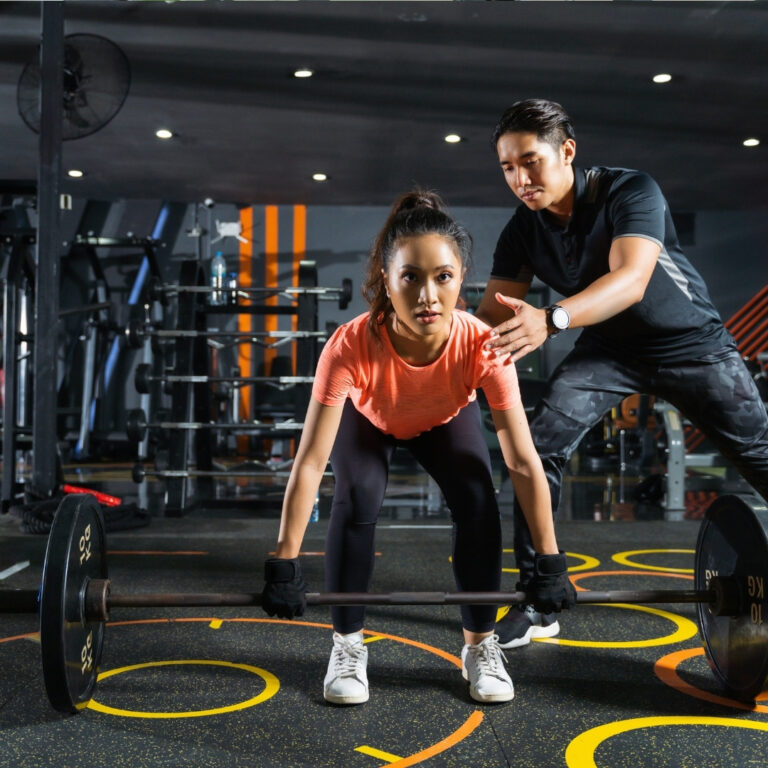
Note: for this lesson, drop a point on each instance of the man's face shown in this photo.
(538, 173)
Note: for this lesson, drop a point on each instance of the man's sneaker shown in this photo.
(523, 623)
(346, 681)
(483, 666)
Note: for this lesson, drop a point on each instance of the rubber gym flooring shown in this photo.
(623, 686)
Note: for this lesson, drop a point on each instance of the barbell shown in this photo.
(136, 425)
(76, 597)
(139, 473)
(343, 294)
(143, 378)
(136, 332)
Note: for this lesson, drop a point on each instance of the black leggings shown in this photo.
(715, 392)
(456, 456)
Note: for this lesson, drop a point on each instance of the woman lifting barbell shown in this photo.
(405, 373)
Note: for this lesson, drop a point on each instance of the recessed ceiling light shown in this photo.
(453, 138)
(164, 133)
(304, 72)
(751, 142)
(662, 77)
(319, 177)
(75, 173)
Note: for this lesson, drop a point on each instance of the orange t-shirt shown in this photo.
(405, 400)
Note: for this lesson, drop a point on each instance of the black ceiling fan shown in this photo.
(97, 77)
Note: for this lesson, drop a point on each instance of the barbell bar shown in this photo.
(136, 332)
(342, 293)
(75, 598)
(136, 426)
(139, 473)
(143, 377)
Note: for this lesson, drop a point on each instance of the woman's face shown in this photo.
(423, 283)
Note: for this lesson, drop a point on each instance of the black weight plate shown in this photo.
(141, 378)
(733, 541)
(71, 646)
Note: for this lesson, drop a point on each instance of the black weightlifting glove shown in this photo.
(284, 593)
(550, 589)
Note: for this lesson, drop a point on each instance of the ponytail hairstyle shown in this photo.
(417, 213)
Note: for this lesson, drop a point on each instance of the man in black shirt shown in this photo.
(604, 239)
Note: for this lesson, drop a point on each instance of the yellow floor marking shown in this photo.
(215, 624)
(580, 753)
(271, 687)
(377, 753)
(624, 559)
(373, 639)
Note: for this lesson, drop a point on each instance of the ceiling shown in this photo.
(391, 80)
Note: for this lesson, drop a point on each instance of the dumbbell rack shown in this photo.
(189, 386)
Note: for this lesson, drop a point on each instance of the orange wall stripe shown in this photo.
(245, 280)
(271, 271)
(733, 321)
(746, 324)
(299, 250)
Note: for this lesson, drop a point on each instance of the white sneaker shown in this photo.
(483, 666)
(346, 681)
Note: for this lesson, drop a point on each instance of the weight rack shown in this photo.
(190, 451)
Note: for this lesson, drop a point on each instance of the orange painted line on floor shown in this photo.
(322, 554)
(271, 272)
(588, 574)
(26, 636)
(666, 670)
(154, 552)
(458, 735)
(468, 727)
(449, 657)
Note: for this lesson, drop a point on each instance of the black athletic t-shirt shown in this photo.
(675, 320)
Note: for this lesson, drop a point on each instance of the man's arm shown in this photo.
(489, 310)
(631, 261)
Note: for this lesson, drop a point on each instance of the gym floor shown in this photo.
(621, 685)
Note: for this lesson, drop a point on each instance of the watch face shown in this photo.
(560, 318)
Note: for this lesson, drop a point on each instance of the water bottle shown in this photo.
(218, 278)
(315, 516)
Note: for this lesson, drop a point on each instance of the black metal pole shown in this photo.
(44, 479)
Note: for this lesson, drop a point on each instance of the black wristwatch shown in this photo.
(558, 319)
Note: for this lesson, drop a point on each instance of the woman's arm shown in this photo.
(320, 427)
(528, 478)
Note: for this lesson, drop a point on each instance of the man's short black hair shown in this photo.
(547, 119)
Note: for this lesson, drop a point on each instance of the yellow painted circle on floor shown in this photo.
(581, 751)
(272, 685)
(587, 562)
(624, 559)
(685, 630)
